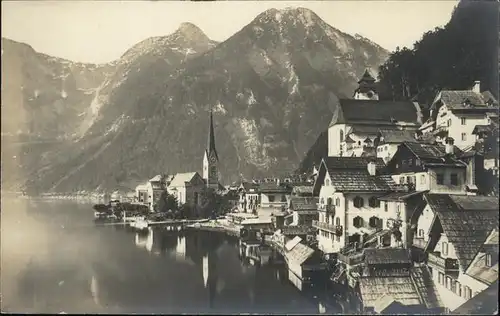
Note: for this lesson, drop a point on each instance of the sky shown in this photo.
(101, 31)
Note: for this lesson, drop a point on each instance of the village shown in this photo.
(403, 212)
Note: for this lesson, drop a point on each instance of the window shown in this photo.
(337, 201)
(358, 202)
(385, 148)
(327, 182)
(341, 136)
(454, 179)
(375, 222)
(271, 198)
(322, 201)
(398, 210)
(449, 122)
(374, 202)
(386, 207)
(420, 233)
(402, 180)
(468, 292)
(441, 278)
(459, 289)
(357, 222)
(448, 283)
(463, 120)
(337, 221)
(453, 286)
(488, 260)
(444, 248)
(283, 198)
(338, 238)
(464, 136)
(439, 178)
(422, 179)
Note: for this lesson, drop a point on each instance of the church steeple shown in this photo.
(211, 158)
(211, 136)
(367, 88)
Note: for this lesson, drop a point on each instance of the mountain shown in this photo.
(271, 87)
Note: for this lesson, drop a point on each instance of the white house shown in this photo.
(356, 122)
(148, 193)
(455, 113)
(349, 209)
(388, 141)
(460, 235)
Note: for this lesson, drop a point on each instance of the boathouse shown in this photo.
(302, 260)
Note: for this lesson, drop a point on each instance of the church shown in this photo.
(189, 187)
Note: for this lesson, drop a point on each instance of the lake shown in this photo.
(55, 259)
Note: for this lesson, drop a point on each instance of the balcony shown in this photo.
(419, 243)
(325, 226)
(445, 264)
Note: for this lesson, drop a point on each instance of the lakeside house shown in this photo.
(356, 122)
(302, 261)
(388, 283)
(149, 193)
(456, 113)
(459, 235)
(349, 209)
(302, 210)
(249, 197)
(274, 195)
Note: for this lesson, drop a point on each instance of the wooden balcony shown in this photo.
(445, 264)
(419, 243)
(334, 229)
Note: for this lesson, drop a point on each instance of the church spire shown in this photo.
(211, 136)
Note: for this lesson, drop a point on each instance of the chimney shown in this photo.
(477, 86)
(372, 168)
(449, 146)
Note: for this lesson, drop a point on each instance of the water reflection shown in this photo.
(86, 269)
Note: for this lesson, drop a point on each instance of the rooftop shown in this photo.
(180, 179)
(385, 112)
(467, 221)
(435, 154)
(396, 136)
(271, 187)
(386, 256)
(301, 203)
(455, 99)
(478, 268)
(484, 303)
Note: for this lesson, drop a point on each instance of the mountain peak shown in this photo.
(191, 31)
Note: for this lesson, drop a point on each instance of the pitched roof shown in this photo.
(301, 203)
(397, 136)
(302, 189)
(351, 174)
(180, 179)
(155, 178)
(247, 186)
(297, 230)
(454, 100)
(272, 187)
(386, 256)
(299, 253)
(435, 154)
(478, 268)
(484, 303)
(466, 220)
(352, 110)
(400, 288)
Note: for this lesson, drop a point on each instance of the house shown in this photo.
(349, 209)
(188, 187)
(356, 122)
(459, 234)
(149, 193)
(434, 167)
(389, 284)
(388, 141)
(484, 303)
(302, 190)
(249, 197)
(302, 260)
(303, 210)
(455, 113)
(487, 142)
(274, 195)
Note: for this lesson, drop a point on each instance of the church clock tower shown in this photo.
(211, 159)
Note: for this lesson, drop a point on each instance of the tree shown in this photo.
(166, 202)
(214, 204)
(186, 211)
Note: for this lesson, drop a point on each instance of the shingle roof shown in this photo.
(482, 129)
(400, 288)
(301, 203)
(386, 256)
(466, 220)
(351, 174)
(478, 268)
(299, 253)
(302, 189)
(352, 110)
(397, 136)
(435, 154)
(249, 185)
(454, 100)
(272, 187)
(296, 230)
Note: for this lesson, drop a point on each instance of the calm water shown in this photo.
(55, 259)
